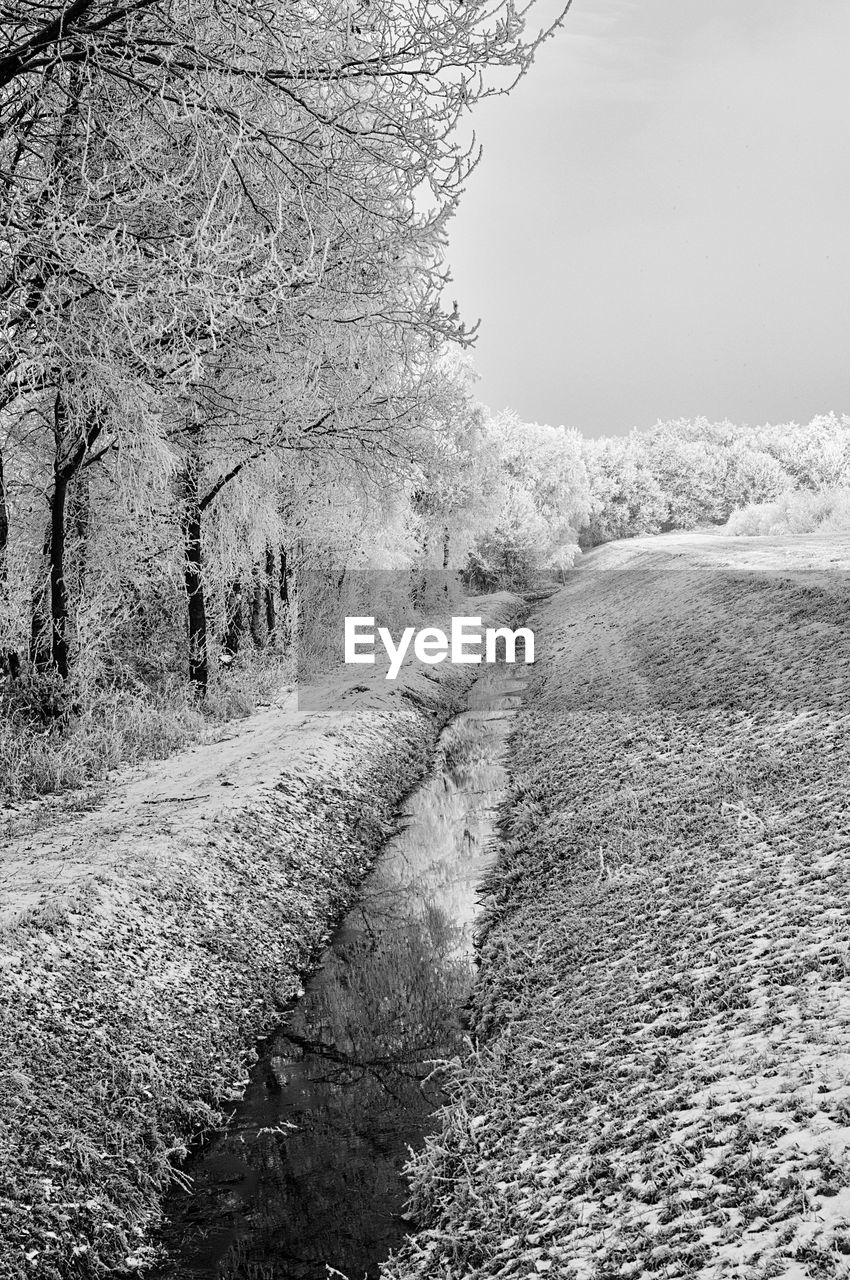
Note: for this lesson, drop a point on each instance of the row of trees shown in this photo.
(224, 340)
(545, 492)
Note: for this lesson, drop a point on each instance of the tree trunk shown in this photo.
(66, 465)
(271, 619)
(235, 618)
(4, 528)
(58, 592)
(39, 630)
(9, 660)
(285, 572)
(284, 597)
(258, 612)
(194, 584)
(40, 622)
(79, 520)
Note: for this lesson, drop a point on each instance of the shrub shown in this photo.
(55, 737)
(798, 511)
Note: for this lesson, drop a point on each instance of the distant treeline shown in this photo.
(556, 492)
(688, 473)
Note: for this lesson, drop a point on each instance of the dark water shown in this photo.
(307, 1176)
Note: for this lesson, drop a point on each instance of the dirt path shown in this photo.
(150, 813)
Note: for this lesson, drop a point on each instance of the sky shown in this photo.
(660, 225)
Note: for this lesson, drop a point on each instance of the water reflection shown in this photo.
(308, 1175)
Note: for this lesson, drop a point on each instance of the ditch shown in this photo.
(307, 1179)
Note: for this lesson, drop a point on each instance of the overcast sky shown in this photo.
(660, 226)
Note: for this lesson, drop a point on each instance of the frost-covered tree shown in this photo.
(815, 456)
(538, 499)
(626, 498)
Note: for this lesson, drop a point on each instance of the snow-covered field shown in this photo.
(662, 1079)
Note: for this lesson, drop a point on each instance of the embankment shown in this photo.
(149, 944)
(662, 1081)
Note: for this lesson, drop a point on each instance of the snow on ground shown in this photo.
(150, 811)
(662, 1081)
(148, 943)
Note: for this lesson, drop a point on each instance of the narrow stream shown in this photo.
(307, 1176)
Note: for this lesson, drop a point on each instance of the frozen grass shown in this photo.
(53, 740)
(661, 1084)
(127, 1013)
(799, 511)
(129, 1006)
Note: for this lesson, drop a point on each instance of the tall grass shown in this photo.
(55, 738)
(799, 511)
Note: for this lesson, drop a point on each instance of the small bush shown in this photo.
(496, 565)
(799, 511)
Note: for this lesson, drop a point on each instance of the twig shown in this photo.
(177, 799)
